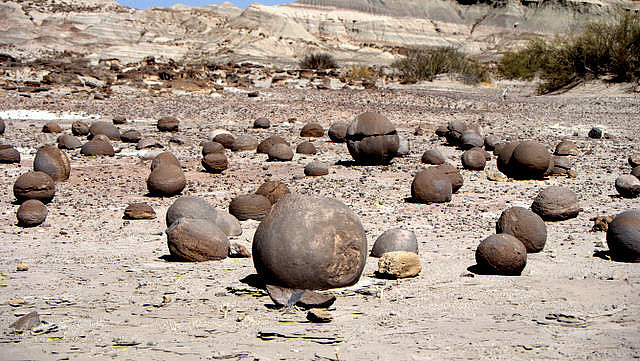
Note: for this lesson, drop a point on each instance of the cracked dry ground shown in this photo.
(101, 280)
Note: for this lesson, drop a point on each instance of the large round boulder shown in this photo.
(628, 186)
(168, 124)
(250, 206)
(267, 143)
(501, 254)
(623, 236)
(197, 240)
(432, 156)
(9, 154)
(166, 180)
(312, 130)
(34, 185)
(306, 148)
(215, 162)
(273, 190)
(395, 239)
(372, 139)
(97, 147)
(79, 128)
(106, 128)
(474, 159)
(67, 141)
(431, 185)
(190, 207)
(31, 213)
(280, 152)
(226, 139)
(163, 159)
(525, 225)
(530, 160)
(338, 132)
(310, 242)
(53, 161)
(212, 147)
(556, 203)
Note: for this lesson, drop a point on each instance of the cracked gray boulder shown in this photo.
(372, 139)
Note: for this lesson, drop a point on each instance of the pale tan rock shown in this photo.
(399, 264)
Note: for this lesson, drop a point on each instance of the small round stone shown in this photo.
(634, 160)
(471, 139)
(556, 203)
(312, 130)
(9, 154)
(139, 211)
(168, 124)
(212, 147)
(490, 142)
(267, 143)
(338, 132)
(280, 153)
(453, 174)
(261, 123)
(51, 127)
(431, 185)
(525, 225)
(131, 136)
(306, 148)
(316, 168)
(197, 240)
(433, 156)
(225, 139)
(215, 162)
(474, 159)
(273, 190)
(167, 180)
(148, 143)
(595, 133)
(566, 147)
(623, 236)
(79, 128)
(455, 128)
(395, 239)
(96, 147)
(244, 143)
(250, 206)
(69, 142)
(165, 158)
(31, 213)
(501, 254)
(628, 186)
(53, 161)
(34, 185)
(105, 128)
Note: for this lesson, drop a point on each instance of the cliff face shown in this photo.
(358, 31)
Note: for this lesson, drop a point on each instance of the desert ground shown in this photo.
(106, 290)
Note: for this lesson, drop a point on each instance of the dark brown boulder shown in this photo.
(431, 185)
(338, 132)
(165, 158)
(454, 132)
(250, 206)
(474, 159)
(530, 160)
(556, 203)
(9, 154)
(68, 142)
(244, 143)
(168, 124)
(634, 160)
(432, 156)
(105, 128)
(310, 242)
(215, 162)
(212, 147)
(197, 240)
(273, 190)
(634, 172)
(566, 147)
(139, 211)
(501, 254)
(454, 176)
(623, 236)
(31, 213)
(595, 133)
(261, 123)
(504, 153)
(471, 139)
(79, 128)
(267, 143)
(51, 127)
(316, 168)
(628, 186)
(166, 180)
(372, 139)
(225, 139)
(53, 161)
(34, 185)
(395, 239)
(312, 130)
(97, 147)
(131, 136)
(280, 153)
(119, 120)
(306, 148)
(525, 225)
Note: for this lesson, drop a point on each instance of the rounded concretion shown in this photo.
(525, 225)
(273, 190)
(634, 160)
(529, 160)
(51, 127)
(105, 128)
(623, 236)
(490, 142)
(370, 124)
(432, 156)
(316, 168)
(67, 141)
(454, 132)
(215, 162)
(505, 151)
(595, 133)
(338, 132)
(372, 139)
(163, 159)
(34, 185)
(395, 239)
(454, 176)
(474, 159)
(131, 136)
(431, 185)
(53, 161)
(225, 139)
(280, 152)
(197, 240)
(244, 143)
(266, 144)
(261, 123)
(628, 186)
(97, 147)
(471, 139)
(312, 130)
(250, 206)
(79, 128)
(9, 154)
(310, 242)
(441, 131)
(566, 147)
(31, 213)
(634, 172)
(306, 148)
(556, 203)
(190, 207)
(501, 254)
(168, 124)
(166, 180)
(212, 147)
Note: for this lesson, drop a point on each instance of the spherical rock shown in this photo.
(595, 133)
(628, 186)
(505, 151)
(432, 156)
(312, 130)
(474, 159)
(316, 168)
(105, 128)
(102, 138)
(306, 148)
(441, 131)
(225, 139)
(566, 147)
(97, 147)
(454, 176)
(34, 185)
(623, 236)
(273, 190)
(338, 132)
(139, 211)
(9, 154)
(261, 123)
(556, 203)
(163, 159)
(190, 207)
(228, 224)
(525, 225)
(31, 213)
(131, 136)
(395, 239)
(454, 132)
(266, 144)
(501, 254)
(280, 152)
(244, 143)
(431, 185)
(69, 142)
(250, 206)
(215, 162)
(634, 160)
(166, 180)
(310, 242)
(51, 127)
(471, 139)
(197, 240)
(372, 139)
(634, 172)
(79, 128)
(212, 147)
(53, 161)
(168, 124)
(490, 142)
(529, 160)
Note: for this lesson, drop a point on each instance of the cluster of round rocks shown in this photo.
(628, 185)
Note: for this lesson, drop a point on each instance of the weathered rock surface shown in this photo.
(131, 136)
(261, 123)
(9, 154)
(280, 152)
(250, 206)
(431, 185)
(197, 240)
(556, 203)
(273, 190)
(215, 162)
(372, 139)
(623, 236)
(106, 128)
(525, 225)
(432, 156)
(312, 130)
(501, 254)
(316, 168)
(139, 211)
(287, 297)
(306, 148)
(474, 159)
(34, 185)
(51, 127)
(212, 147)
(167, 180)
(97, 147)
(69, 142)
(31, 213)
(168, 124)
(190, 207)
(338, 132)
(453, 174)
(399, 264)
(164, 159)
(395, 239)
(53, 161)
(79, 128)
(267, 143)
(243, 143)
(566, 147)
(628, 186)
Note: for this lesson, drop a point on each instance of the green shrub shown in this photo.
(318, 61)
(425, 64)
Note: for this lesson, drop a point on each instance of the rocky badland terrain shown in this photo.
(105, 287)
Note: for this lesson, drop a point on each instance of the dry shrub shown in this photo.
(425, 64)
(318, 61)
(360, 72)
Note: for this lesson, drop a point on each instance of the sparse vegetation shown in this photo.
(425, 64)
(360, 72)
(602, 49)
(318, 61)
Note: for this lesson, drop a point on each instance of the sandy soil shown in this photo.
(99, 281)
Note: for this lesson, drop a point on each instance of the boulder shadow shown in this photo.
(173, 259)
(254, 280)
(480, 271)
(604, 254)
